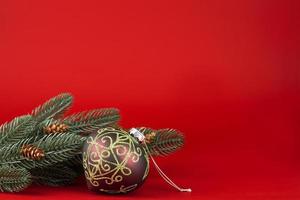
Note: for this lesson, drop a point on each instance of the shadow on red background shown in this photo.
(226, 73)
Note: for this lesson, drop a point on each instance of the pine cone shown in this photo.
(32, 152)
(55, 128)
(150, 137)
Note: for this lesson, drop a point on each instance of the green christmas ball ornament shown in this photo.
(114, 162)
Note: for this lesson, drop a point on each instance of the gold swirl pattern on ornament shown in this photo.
(101, 160)
(147, 167)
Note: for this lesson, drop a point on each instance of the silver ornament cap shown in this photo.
(137, 134)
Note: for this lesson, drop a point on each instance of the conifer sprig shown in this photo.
(14, 179)
(58, 175)
(75, 163)
(53, 108)
(56, 148)
(165, 141)
(88, 121)
(17, 129)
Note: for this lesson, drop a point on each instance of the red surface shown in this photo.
(226, 73)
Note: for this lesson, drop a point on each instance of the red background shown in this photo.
(226, 73)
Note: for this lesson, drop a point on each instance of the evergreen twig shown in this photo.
(53, 108)
(165, 142)
(14, 179)
(57, 148)
(17, 129)
(88, 121)
(75, 163)
(58, 175)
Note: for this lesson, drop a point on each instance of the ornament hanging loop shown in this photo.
(141, 138)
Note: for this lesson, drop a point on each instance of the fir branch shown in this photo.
(17, 129)
(53, 108)
(146, 131)
(88, 121)
(58, 175)
(75, 162)
(10, 154)
(166, 141)
(14, 179)
(57, 148)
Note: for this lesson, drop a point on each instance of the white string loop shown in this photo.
(140, 136)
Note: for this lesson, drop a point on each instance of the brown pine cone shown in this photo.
(150, 137)
(32, 152)
(55, 128)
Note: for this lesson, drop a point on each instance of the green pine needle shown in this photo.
(75, 162)
(57, 175)
(17, 129)
(88, 121)
(14, 179)
(57, 148)
(165, 142)
(53, 108)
